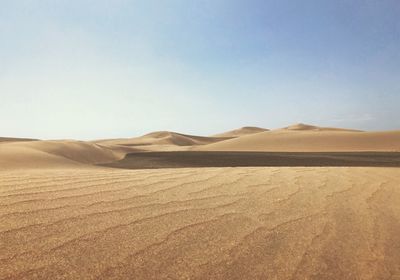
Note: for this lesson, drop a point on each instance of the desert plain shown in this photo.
(301, 202)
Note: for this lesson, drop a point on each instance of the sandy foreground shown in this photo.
(200, 223)
(65, 215)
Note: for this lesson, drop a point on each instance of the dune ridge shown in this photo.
(302, 127)
(246, 130)
(164, 138)
(55, 154)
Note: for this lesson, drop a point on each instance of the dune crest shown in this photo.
(308, 127)
(246, 130)
(54, 154)
(164, 138)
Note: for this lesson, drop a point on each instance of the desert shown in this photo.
(199, 140)
(78, 210)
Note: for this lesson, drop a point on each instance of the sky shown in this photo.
(92, 69)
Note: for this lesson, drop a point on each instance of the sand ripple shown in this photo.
(205, 223)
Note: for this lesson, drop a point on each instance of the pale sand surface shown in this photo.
(56, 154)
(64, 217)
(205, 223)
(246, 130)
(324, 140)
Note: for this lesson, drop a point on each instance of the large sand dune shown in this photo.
(215, 223)
(23, 153)
(162, 140)
(55, 154)
(310, 140)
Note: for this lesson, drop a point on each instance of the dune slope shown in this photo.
(163, 139)
(308, 127)
(310, 141)
(54, 154)
(241, 131)
(214, 223)
(11, 139)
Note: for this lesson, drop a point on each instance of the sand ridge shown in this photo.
(246, 130)
(162, 140)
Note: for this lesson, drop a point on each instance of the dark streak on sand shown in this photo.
(235, 159)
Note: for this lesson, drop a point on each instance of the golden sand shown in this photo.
(212, 223)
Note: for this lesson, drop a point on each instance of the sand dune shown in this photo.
(166, 137)
(11, 139)
(64, 217)
(213, 223)
(21, 153)
(308, 127)
(310, 140)
(54, 154)
(162, 140)
(241, 131)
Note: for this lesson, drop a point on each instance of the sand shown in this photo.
(12, 139)
(246, 130)
(308, 127)
(63, 215)
(161, 141)
(310, 141)
(212, 223)
(55, 154)
(181, 159)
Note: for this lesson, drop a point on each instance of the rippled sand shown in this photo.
(212, 223)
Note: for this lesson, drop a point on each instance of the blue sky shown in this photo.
(100, 69)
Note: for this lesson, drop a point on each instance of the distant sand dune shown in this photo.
(164, 138)
(310, 141)
(161, 141)
(54, 154)
(213, 223)
(241, 131)
(11, 139)
(302, 126)
(22, 153)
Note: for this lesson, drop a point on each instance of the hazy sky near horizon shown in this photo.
(90, 69)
